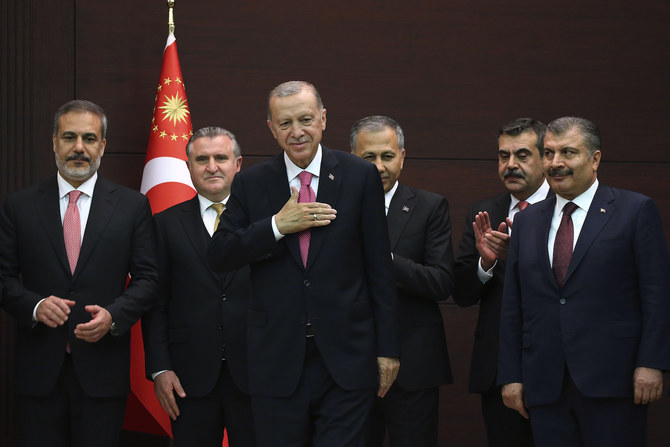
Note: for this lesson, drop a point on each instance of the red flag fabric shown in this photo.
(166, 182)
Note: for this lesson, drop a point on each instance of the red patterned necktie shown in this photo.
(72, 230)
(522, 205)
(563, 244)
(305, 195)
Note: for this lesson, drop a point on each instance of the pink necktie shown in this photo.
(305, 195)
(72, 230)
(522, 205)
(563, 244)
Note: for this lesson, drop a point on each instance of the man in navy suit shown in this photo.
(323, 332)
(585, 317)
(67, 247)
(480, 269)
(195, 335)
(420, 234)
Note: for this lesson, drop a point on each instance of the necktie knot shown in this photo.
(569, 208)
(305, 178)
(74, 196)
(522, 205)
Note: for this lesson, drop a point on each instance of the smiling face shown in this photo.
(569, 167)
(381, 149)
(78, 146)
(213, 165)
(297, 124)
(519, 164)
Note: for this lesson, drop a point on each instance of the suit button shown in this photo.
(220, 328)
(562, 301)
(224, 297)
(306, 282)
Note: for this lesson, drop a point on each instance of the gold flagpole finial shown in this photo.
(170, 4)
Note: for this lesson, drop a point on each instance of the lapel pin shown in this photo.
(405, 209)
(602, 210)
(331, 176)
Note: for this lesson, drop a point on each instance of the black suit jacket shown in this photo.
(420, 234)
(469, 290)
(200, 314)
(118, 240)
(612, 314)
(346, 289)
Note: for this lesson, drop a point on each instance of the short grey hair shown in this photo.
(588, 130)
(213, 132)
(82, 106)
(293, 88)
(375, 123)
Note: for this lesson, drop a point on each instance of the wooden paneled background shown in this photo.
(450, 71)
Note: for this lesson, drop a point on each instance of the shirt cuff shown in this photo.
(158, 373)
(35, 310)
(278, 235)
(485, 275)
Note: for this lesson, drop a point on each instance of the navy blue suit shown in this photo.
(611, 316)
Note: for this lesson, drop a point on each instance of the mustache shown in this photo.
(514, 173)
(78, 157)
(556, 172)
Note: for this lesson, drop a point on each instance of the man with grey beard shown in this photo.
(480, 269)
(67, 247)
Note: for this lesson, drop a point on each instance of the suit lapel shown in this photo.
(48, 209)
(103, 204)
(278, 191)
(330, 182)
(499, 211)
(599, 213)
(546, 210)
(400, 211)
(197, 234)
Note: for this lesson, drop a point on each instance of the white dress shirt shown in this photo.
(292, 172)
(583, 202)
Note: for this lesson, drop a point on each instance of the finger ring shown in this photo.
(314, 216)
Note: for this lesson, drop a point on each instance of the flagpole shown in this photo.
(170, 4)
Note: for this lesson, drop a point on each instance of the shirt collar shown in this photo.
(87, 187)
(206, 203)
(583, 201)
(537, 196)
(388, 196)
(314, 168)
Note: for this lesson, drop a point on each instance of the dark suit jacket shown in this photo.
(118, 240)
(613, 313)
(469, 290)
(420, 234)
(347, 288)
(199, 313)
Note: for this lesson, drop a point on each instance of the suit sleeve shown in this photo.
(653, 265)
(432, 278)
(141, 292)
(18, 301)
(238, 241)
(155, 321)
(509, 354)
(379, 273)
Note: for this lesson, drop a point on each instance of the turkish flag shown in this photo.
(166, 182)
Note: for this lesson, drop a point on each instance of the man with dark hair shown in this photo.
(585, 318)
(323, 332)
(480, 269)
(67, 247)
(420, 233)
(195, 335)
